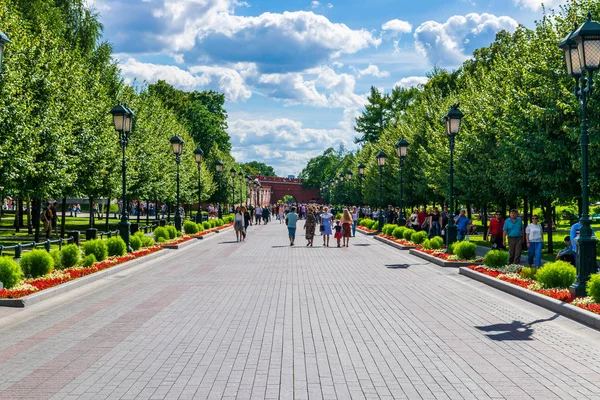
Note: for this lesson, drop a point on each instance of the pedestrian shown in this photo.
(247, 220)
(567, 254)
(258, 214)
(290, 220)
(309, 226)
(266, 214)
(462, 223)
(435, 223)
(54, 217)
(495, 232)
(238, 224)
(535, 242)
(347, 223)
(325, 226)
(281, 215)
(338, 232)
(354, 221)
(421, 217)
(513, 229)
(46, 217)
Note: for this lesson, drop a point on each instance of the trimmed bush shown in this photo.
(450, 249)
(408, 233)
(200, 227)
(418, 237)
(375, 225)
(56, 257)
(388, 229)
(338, 216)
(437, 242)
(427, 244)
(557, 274)
(10, 272)
(37, 263)
(465, 250)
(96, 247)
(160, 232)
(135, 242)
(213, 223)
(361, 222)
(528, 273)
(70, 255)
(190, 227)
(147, 241)
(496, 259)
(116, 246)
(592, 288)
(398, 232)
(206, 225)
(88, 260)
(171, 231)
(220, 222)
(162, 240)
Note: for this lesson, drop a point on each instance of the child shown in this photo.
(338, 232)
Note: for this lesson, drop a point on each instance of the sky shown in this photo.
(296, 73)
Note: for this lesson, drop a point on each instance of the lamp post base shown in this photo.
(380, 224)
(586, 264)
(450, 234)
(124, 227)
(401, 221)
(178, 222)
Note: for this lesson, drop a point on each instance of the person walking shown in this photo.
(53, 208)
(462, 223)
(247, 220)
(281, 214)
(513, 229)
(290, 220)
(258, 215)
(535, 242)
(238, 224)
(413, 221)
(347, 223)
(495, 231)
(435, 223)
(46, 217)
(309, 226)
(266, 214)
(325, 227)
(354, 220)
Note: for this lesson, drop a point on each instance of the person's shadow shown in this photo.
(516, 330)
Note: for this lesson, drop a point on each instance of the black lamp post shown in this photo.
(198, 153)
(583, 59)
(219, 169)
(3, 41)
(233, 173)
(241, 177)
(452, 119)
(381, 156)
(401, 148)
(348, 178)
(177, 144)
(361, 175)
(122, 118)
(247, 189)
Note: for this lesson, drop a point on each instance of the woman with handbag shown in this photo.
(347, 223)
(309, 226)
(325, 226)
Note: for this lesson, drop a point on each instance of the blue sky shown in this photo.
(296, 73)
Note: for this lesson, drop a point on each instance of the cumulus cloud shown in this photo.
(412, 81)
(315, 4)
(536, 5)
(372, 70)
(452, 42)
(397, 26)
(209, 31)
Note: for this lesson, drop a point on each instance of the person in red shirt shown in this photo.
(495, 231)
(421, 217)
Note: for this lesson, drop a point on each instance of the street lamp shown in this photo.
(122, 117)
(361, 175)
(401, 149)
(583, 59)
(248, 188)
(3, 41)
(198, 153)
(233, 173)
(177, 144)
(241, 176)
(452, 119)
(219, 169)
(381, 156)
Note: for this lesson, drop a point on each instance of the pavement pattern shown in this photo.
(263, 320)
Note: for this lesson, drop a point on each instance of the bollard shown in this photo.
(1, 250)
(75, 236)
(47, 245)
(60, 242)
(91, 234)
(109, 234)
(133, 228)
(163, 222)
(18, 250)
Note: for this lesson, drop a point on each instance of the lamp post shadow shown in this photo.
(515, 330)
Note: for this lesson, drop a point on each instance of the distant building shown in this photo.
(291, 176)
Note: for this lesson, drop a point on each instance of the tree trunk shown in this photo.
(138, 208)
(469, 214)
(63, 220)
(37, 205)
(155, 210)
(29, 221)
(525, 211)
(169, 212)
(548, 218)
(107, 214)
(485, 220)
(91, 212)
(147, 212)
(16, 222)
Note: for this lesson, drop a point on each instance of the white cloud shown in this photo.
(412, 81)
(315, 4)
(372, 70)
(536, 5)
(452, 42)
(329, 5)
(397, 26)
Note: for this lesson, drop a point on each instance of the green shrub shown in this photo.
(179, 234)
(56, 257)
(338, 216)
(427, 244)
(160, 232)
(398, 232)
(10, 272)
(70, 255)
(37, 263)
(96, 247)
(116, 246)
(200, 227)
(408, 233)
(206, 225)
(465, 250)
(557, 274)
(219, 222)
(171, 231)
(213, 223)
(361, 222)
(135, 242)
(437, 242)
(369, 223)
(528, 273)
(592, 288)
(450, 249)
(88, 260)
(375, 225)
(162, 240)
(418, 237)
(496, 259)
(190, 227)
(388, 229)
(147, 241)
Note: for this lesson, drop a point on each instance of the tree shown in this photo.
(255, 168)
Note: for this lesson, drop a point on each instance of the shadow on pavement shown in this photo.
(396, 266)
(228, 242)
(361, 244)
(516, 330)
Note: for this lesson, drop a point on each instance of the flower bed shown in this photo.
(441, 254)
(559, 294)
(30, 286)
(363, 229)
(403, 242)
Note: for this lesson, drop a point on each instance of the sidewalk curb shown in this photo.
(440, 262)
(575, 313)
(192, 241)
(393, 244)
(367, 233)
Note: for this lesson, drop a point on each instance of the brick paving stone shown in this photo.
(263, 320)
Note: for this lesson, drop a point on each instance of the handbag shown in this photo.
(321, 228)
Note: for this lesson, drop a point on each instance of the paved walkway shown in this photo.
(260, 319)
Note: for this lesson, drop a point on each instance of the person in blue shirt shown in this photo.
(290, 221)
(513, 229)
(575, 232)
(462, 223)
